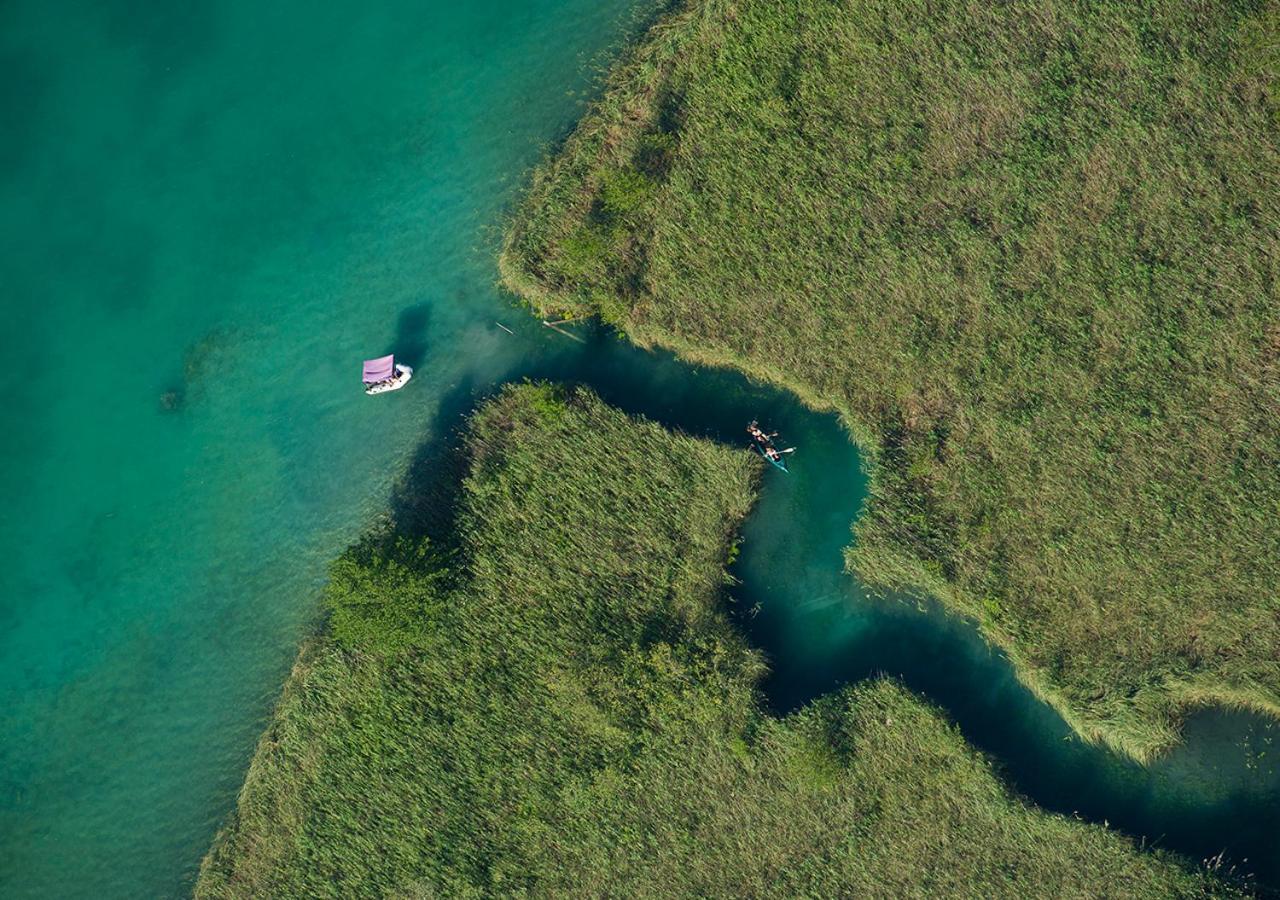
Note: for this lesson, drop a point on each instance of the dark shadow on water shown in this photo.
(413, 335)
(203, 359)
(1219, 793)
(424, 500)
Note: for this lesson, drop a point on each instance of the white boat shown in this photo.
(385, 374)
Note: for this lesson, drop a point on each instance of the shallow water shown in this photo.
(210, 215)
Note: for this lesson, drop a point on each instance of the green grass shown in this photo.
(557, 705)
(1029, 252)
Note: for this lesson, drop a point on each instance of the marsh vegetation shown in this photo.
(555, 703)
(1029, 253)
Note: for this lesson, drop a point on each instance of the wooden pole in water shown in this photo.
(554, 326)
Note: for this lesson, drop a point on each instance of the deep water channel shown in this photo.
(211, 215)
(1217, 794)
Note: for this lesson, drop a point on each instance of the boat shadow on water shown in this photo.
(412, 327)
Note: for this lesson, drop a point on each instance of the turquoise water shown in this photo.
(210, 215)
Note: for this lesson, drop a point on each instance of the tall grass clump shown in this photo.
(557, 705)
(1029, 252)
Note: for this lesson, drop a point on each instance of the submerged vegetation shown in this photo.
(1029, 252)
(557, 705)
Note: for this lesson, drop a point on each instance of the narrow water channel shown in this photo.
(1216, 795)
(211, 214)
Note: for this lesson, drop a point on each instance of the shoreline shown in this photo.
(560, 196)
(336, 727)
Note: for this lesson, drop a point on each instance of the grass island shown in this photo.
(558, 705)
(1029, 253)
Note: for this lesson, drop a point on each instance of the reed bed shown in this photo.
(1029, 251)
(556, 704)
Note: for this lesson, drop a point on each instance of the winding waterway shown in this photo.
(210, 214)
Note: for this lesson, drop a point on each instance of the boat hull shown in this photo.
(403, 374)
(777, 463)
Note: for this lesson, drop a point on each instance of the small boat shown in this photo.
(778, 462)
(385, 374)
(762, 441)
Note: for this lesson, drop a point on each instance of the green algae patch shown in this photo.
(557, 704)
(1029, 253)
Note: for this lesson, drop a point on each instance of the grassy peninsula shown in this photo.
(557, 705)
(1030, 252)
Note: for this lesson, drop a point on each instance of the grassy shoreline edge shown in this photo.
(566, 190)
(580, 717)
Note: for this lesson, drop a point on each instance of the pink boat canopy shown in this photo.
(379, 369)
